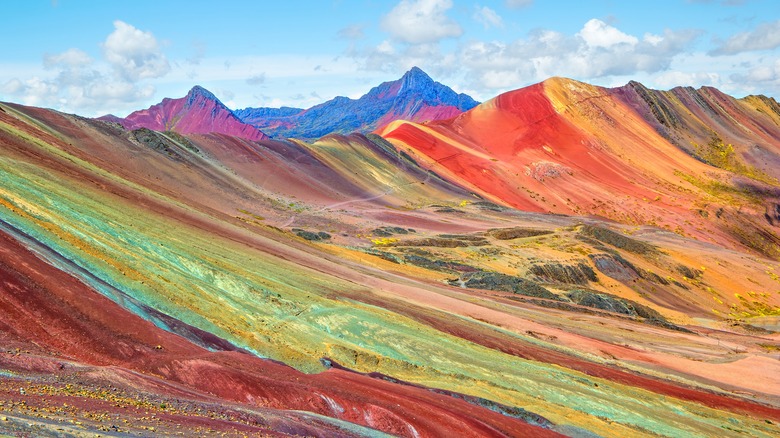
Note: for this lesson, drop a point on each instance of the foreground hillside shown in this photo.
(361, 285)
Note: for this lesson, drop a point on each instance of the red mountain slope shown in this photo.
(567, 147)
(200, 112)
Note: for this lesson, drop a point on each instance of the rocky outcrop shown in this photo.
(389, 231)
(622, 306)
(505, 283)
(617, 240)
(313, 236)
(445, 241)
(581, 273)
(516, 233)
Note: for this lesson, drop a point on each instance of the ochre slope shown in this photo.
(699, 120)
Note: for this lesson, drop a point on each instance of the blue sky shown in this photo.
(97, 57)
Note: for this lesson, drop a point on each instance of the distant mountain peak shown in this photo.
(199, 112)
(200, 92)
(415, 97)
(416, 71)
(416, 76)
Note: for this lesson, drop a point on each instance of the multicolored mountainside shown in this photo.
(269, 118)
(696, 162)
(412, 284)
(415, 97)
(199, 112)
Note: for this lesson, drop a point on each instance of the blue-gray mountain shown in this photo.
(415, 97)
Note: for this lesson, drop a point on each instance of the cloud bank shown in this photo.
(77, 82)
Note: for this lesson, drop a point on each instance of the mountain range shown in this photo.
(415, 97)
(560, 260)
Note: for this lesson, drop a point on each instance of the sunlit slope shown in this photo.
(567, 147)
(177, 248)
(268, 182)
(383, 172)
(75, 346)
(705, 122)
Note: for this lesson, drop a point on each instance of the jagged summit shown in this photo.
(416, 84)
(415, 96)
(199, 112)
(416, 71)
(200, 92)
(415, 79)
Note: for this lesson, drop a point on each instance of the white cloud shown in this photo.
(597, 51)
(653, 39)
(421, 21)
(71, 57)
(671, 79)
(760, 77)
(34, 90)
(385, 48)
(13, 86)
(737, 74)
(389, 57)
(118, 91)
(73, 81)
(764, 37)
(501, 79)
(763, 74)
(597, 33)
(134, 54)
(488, 17)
